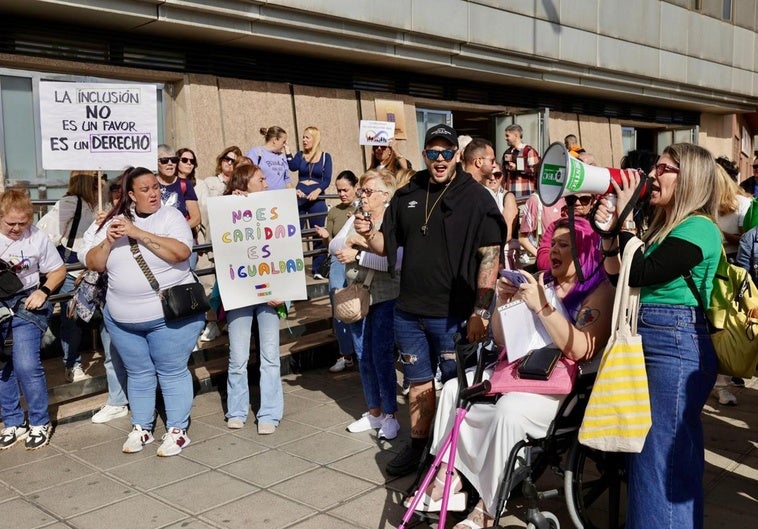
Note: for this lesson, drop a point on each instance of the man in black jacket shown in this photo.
(452, 234)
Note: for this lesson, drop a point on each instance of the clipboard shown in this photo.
(523, 330)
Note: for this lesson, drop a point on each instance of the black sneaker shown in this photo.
(406, 462)
(12, 435)
(39, 436)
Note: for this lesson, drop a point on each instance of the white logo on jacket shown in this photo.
(412, 204)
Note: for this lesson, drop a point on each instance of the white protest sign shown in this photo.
(376, 132)
(257, 248)
(98, 125)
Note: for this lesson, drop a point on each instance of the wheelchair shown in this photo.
(594, 482)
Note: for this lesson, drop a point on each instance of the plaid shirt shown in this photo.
(521, 182)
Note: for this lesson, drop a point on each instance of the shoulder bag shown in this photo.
(67, 254)
(351, 304)
(617, 418)
(180, 301)
(10, 284)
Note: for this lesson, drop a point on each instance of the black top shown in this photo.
(673, 258)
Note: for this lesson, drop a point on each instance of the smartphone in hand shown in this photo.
(513, 276)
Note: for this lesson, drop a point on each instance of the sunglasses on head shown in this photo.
(169, 159)
(433, 154)
(663, 168)
(187, 160)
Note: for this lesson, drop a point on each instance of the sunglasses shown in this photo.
(433, 154)
(168, 159)
(663, 168)
(187, 160)
(585, 200)
(228, 159)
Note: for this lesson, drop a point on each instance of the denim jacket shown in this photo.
(38, 317)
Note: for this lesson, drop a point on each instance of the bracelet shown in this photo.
(546, 305)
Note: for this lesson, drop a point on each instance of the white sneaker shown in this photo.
(75, 374)
(340, 365)
(389, 427)
(108, 413)
(136, 440)
(211, 332)
(726, 397)
(438, 385)
(406, 388)
(365, 423)
(173, 442)
(318, 276)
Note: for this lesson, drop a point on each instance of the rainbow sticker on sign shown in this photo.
(377, 137)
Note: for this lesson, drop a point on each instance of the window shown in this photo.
(727, 10)
(425, 118)
(20, 149)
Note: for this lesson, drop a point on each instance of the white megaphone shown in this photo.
(561, 174)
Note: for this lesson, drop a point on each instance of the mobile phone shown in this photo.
(513, 276)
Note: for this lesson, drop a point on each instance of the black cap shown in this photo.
(441, 131)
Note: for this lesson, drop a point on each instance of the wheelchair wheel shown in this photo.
(595, 488)
(550, 518)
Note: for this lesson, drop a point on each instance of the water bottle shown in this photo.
(611, 199)
(281, 310)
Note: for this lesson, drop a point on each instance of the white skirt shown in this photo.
(489, 432)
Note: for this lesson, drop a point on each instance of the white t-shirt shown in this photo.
(130, 298)
(30, 255)
(732, 222)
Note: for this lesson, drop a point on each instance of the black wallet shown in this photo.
(539, 363)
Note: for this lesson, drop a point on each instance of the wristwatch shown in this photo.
(44, 289)
(483, 313)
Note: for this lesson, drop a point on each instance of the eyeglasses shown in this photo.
(497, 175)
(187, 160)
(228, 159)
(663, 168)
(433, 154)
(168, 159)
(368, 192)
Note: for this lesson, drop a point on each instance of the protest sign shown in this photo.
(257, 248)
(376, 132)
(98, 125)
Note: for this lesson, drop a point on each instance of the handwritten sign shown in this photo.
(98, 126)
(257, 248)
(376, 132)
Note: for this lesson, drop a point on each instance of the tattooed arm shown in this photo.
(167, 248)
(489, 261)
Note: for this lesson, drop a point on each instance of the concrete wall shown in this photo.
(599, 136)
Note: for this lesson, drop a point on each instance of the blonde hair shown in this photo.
(693, 190)
(404, 176)
(15, 199)
(315, 150)
(727, 190)
(84, 184)
(384, 176)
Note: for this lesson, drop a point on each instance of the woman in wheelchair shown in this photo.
(490, 430)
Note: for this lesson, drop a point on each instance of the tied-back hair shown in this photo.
(310, 156)
(348, 175)
(240, 177)
(271, 133)
(693, 190)
(84, 184)
(588, 249)
(125, 204)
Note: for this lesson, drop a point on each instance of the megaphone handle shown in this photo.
(623, 214)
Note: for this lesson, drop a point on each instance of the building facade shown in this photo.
(620, 75)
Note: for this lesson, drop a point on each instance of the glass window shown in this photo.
(425, 119)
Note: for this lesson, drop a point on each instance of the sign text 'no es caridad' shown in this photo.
(98, 126)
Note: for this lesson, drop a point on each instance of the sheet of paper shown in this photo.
(522, 329)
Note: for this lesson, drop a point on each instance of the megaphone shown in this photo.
(561, 174)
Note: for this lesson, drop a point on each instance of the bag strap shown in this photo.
(74, 223)
(627, 299)
(137, 254)
(369, 278)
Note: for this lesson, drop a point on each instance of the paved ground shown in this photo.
(311, 474)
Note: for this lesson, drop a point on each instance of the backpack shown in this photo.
(751, 216)
(732, 322)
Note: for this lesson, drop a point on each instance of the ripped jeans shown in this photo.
(424, 343)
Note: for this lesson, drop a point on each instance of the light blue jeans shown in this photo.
(115, 372)
(240, 323)
(71, 333)
(666, 478)
(156, 352)
(374, 342)
(341, 329)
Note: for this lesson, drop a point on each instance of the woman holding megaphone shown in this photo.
(666, 478)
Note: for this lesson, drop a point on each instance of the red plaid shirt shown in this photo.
(521, 182)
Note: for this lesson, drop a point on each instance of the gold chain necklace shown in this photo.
(427, 211)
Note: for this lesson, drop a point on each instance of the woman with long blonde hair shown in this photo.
(675, 275)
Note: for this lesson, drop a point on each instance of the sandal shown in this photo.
(456, 503)
(472, 522)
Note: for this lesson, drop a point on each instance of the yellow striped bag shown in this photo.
(617, 417)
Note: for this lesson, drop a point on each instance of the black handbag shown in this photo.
(180, 301)
(68, 255)
(539, 363)
(10, 284)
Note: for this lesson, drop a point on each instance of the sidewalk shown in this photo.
(310, 474)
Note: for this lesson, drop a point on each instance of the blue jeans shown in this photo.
(341, 329)
(666, 478)
(424, 344)
(24, 370)
(156, 352)
(306, 207)
(375, 348)
(71, 333)
(115, 372)
(238, 392)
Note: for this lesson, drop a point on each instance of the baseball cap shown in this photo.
(441, 131)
